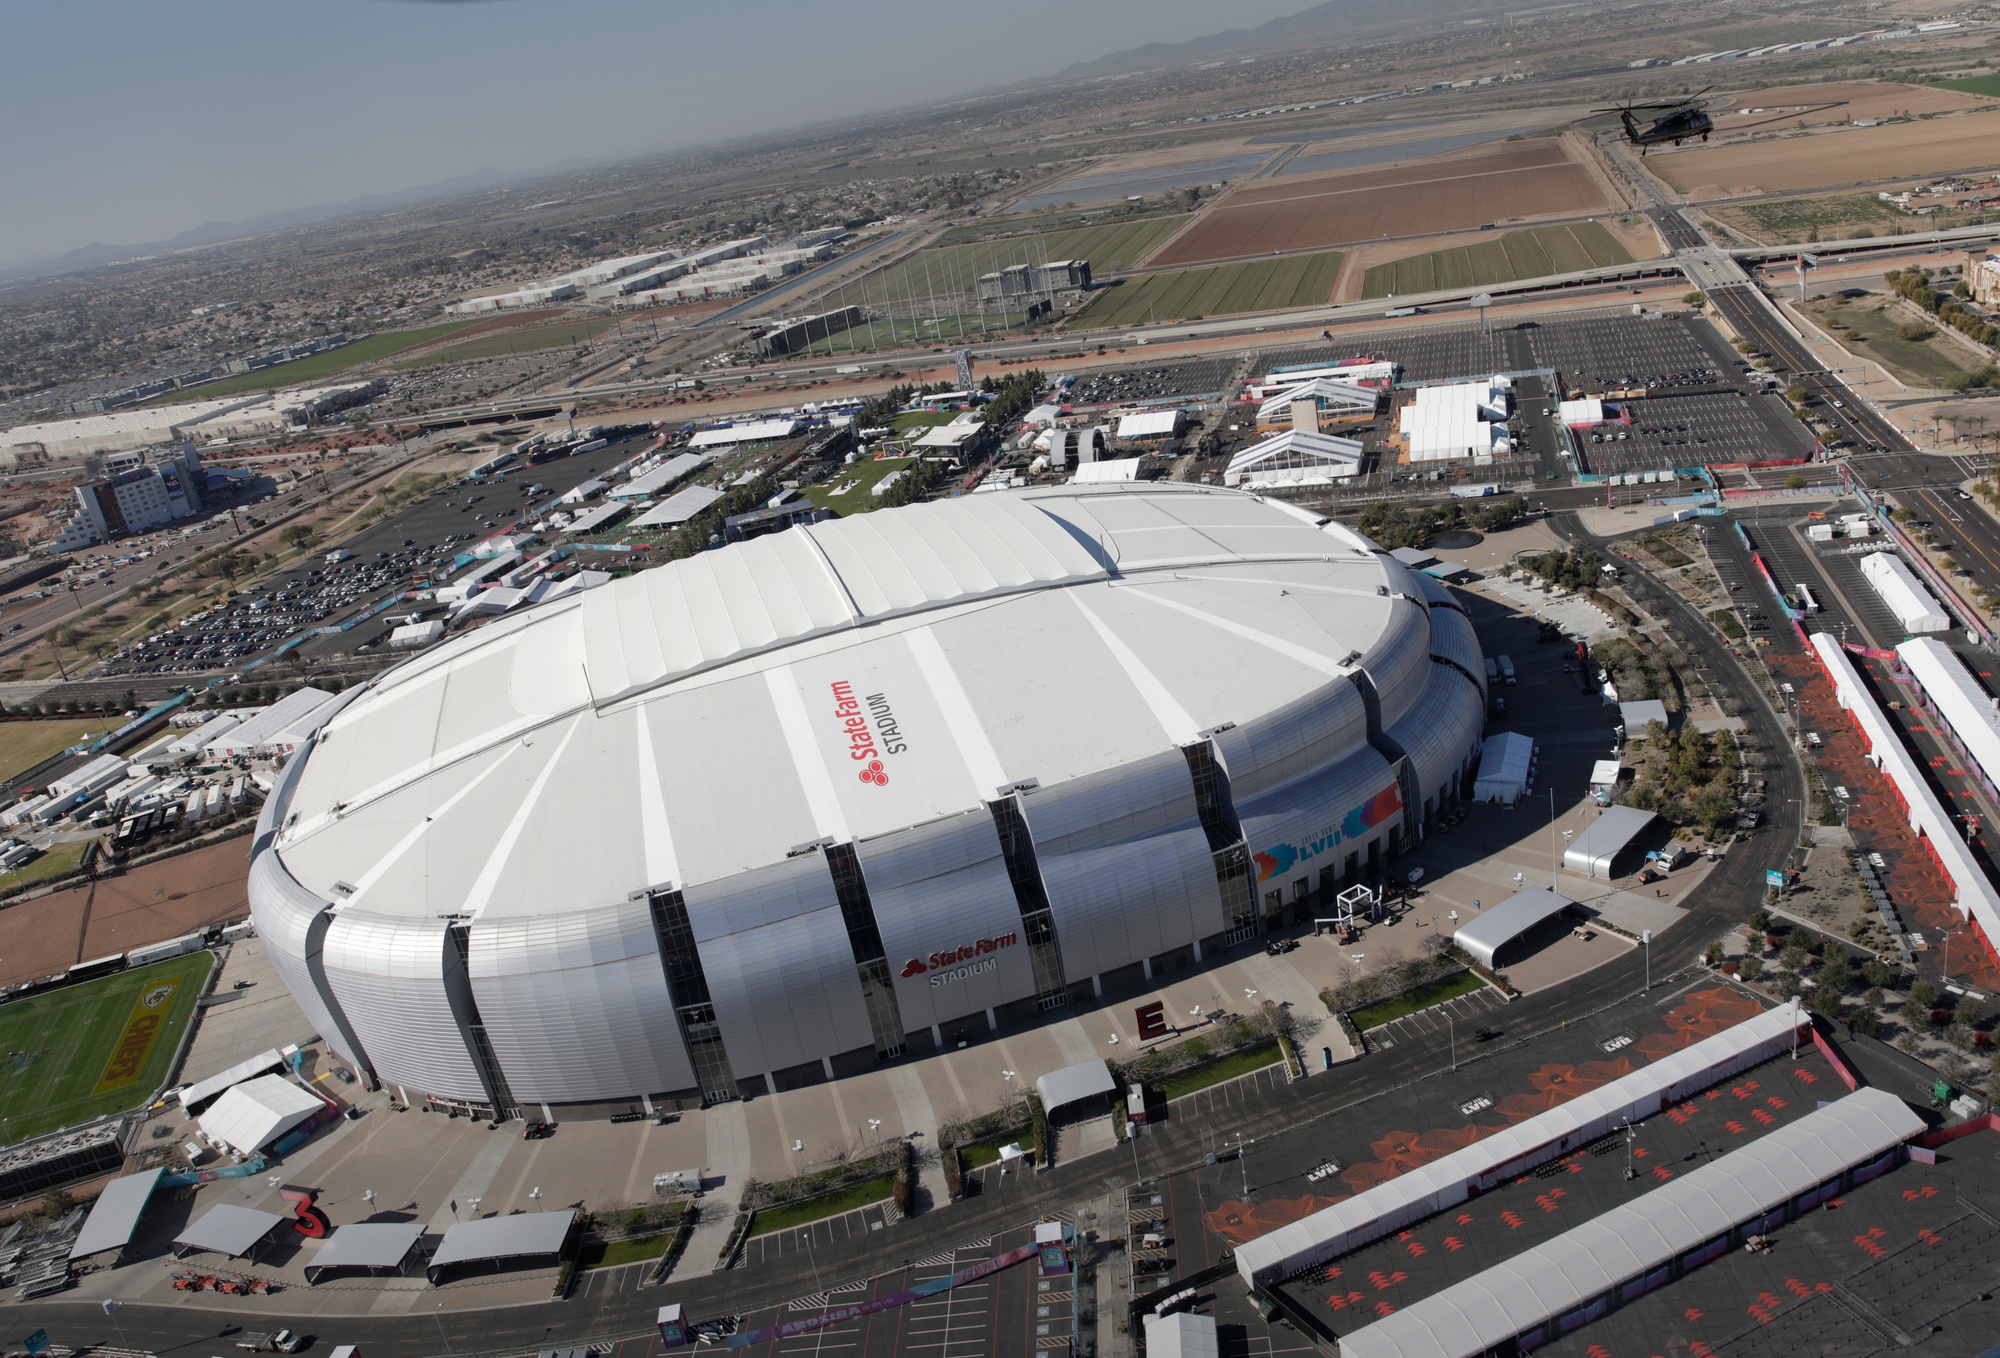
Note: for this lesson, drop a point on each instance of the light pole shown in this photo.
(1646, 946)
(438, 1316)
(812, 1256)
(1451, 1027)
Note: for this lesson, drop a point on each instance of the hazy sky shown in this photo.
(129, 122)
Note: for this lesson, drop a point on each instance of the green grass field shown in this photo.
(61, 859)
(24, 744)
(319, 365)
(71, 1055)
(519, 341)
(937, 275)
(1532, 253)
(882, 332)
(1872, 327)
(1975, 84)
(1220, 290)
(864, 475)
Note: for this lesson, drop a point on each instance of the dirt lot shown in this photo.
(1821, 105)
(149, 904)
(1858, 155)
(1520, 179)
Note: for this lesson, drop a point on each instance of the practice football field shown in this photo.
(70, 1055)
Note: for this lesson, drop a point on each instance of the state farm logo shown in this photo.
(871, 728)
(956, 964)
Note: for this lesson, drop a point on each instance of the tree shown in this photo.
(1966, 1012)
(1795, 483)
(1750, 968)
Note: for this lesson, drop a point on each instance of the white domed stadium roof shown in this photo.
(834, 682)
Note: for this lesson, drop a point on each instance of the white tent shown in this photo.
(1296, 457)
(1907, 599)
(250, 1116)
(1506, 767)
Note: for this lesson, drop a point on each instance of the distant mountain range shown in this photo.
(1320, 26)
(213, 233)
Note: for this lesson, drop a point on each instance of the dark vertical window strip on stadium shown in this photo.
(871, 962)
(1217, 809)
(1038, 921)
(315, 956)
(458, 992)
(1406, 785)
(687, 984)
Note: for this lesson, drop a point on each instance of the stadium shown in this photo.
(865, 788)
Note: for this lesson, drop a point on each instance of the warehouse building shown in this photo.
(833, 820)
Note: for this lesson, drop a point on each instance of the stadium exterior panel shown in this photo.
(864, 788)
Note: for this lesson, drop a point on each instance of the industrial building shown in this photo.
(251, 415)
(1023, 282)
(832, 818)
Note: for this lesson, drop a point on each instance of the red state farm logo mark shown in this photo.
(914, 967)
(873, 773)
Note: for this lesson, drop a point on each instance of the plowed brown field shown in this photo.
(1535, 178)
(1859, 155)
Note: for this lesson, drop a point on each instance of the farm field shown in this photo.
(1872, 329)
(1223, 290)
(519, 341)
(1795, 221)
(1988, 85)
(320, 365)
(948, 272)
(95, 1048)
(1519, 179)
(24, 744)
(1858, 155)
(1532, 253)
(1825, 105)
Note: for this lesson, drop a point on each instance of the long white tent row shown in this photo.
(1389, 1207)
(1977, 899)
(1550, 1289)
(1971, 715)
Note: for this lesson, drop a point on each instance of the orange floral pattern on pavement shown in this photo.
(1703, 1013)
(1702, 1016)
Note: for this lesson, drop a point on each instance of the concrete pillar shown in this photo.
(1197, 950)
(826, 1064)
(1147, 963)
(992, 1022)
(1097, 987)
(937, 1036)
(646, 1102)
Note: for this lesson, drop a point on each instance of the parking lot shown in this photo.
(1631, 351)
(417, 547)
(1152, 382)
(1015, 1310)
(1716, 426)
(1748, 594)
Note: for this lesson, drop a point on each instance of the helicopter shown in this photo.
(1678, 120)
